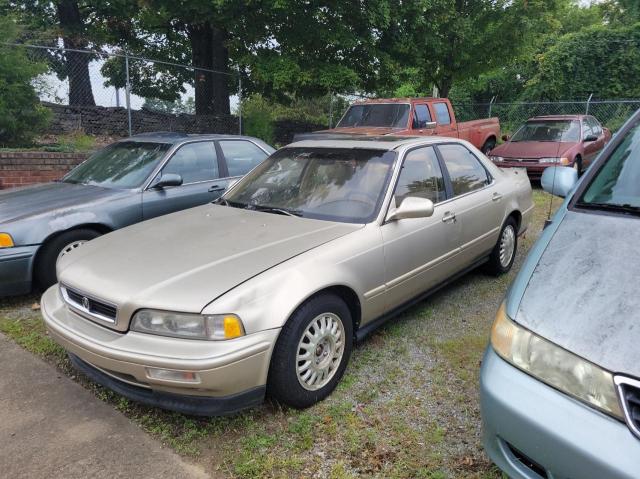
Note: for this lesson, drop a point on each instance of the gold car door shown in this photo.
(419, 253)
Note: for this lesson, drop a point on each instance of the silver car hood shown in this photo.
(183, 261)
(583, 294)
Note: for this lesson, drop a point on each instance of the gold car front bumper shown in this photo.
(233, 371)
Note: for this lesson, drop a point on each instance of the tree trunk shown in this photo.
(76, 63)
(209, 53)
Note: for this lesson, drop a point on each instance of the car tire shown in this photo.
(45, 268)
(504, 252)
(322, 328)
(489, 145)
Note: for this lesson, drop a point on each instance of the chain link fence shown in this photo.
(116, 93)
(611, 113)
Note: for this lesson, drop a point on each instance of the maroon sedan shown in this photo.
(562, 140)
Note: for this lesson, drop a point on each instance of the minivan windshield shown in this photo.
(335, 184)
(122, 165)
(616, 187)
(549, 130)
(390, 115)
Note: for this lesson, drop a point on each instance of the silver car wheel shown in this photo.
(70, 247)
(507, 245)
(320, 351)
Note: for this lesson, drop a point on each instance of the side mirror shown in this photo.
(168, 179)
(412, 207)
(559, 180)
(430, 125)
(589, 138)
(506, 137)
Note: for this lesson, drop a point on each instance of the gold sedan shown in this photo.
(206, 310)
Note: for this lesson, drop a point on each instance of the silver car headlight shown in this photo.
(187, 325)
(554, 365)
(556, 161)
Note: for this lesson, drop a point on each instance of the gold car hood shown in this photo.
(183, 261)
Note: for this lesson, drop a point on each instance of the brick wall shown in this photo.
(29, 167)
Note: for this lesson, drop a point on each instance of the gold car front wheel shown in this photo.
(312, 352)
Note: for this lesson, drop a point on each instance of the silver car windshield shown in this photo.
(616, 187)
(337, 184)
(122, 165)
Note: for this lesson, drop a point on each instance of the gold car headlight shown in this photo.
(554, 365)
(187, 325)
(6, 241)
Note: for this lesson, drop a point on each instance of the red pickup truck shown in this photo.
(415, 116)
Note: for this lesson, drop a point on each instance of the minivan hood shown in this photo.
(183, 261)
(21, 203)
(532, 149)
(583, 293)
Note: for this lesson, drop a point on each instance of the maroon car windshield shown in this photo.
(549, 130)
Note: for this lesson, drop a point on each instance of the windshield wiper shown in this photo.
(625, 208)
(280, 211)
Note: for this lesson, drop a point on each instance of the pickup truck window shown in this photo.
(442, 113)
(421, 176)
(421, 116)
(393, 115)
(465, 171)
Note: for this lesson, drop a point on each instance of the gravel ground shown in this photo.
(406, 408)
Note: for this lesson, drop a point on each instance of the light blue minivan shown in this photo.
(560, 381)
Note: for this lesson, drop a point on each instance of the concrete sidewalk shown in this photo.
(51, 427)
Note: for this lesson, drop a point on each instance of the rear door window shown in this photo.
(241, 156)
(442, 113)
(465, 170)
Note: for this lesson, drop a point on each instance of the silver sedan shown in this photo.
(206, 310)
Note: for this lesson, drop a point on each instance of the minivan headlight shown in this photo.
(554, 365)
(187, 325)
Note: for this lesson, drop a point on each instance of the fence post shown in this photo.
(588, 101)
(128, 90)
(239, 103)
(491, 105)
(330, 109)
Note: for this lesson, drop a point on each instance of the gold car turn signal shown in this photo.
(555, 366)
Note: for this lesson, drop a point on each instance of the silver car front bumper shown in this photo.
(563, 438)
(16, 266)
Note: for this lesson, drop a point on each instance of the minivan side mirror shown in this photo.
(168, 179)
(412, 207)
(559, 180)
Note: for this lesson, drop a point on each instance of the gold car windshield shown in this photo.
(337, 184)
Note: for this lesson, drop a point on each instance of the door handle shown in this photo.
(215, 188)
(496, 197)
(449, 217)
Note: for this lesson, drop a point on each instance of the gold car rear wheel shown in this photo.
(312, 352)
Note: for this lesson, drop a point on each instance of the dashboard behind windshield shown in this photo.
(391, 115)
(335, 184)
(560, 131)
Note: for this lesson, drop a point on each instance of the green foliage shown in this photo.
(21, 115)
(257, 118)
(601, 60)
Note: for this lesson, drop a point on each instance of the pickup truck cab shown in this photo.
(414, 116)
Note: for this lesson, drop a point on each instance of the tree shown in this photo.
(455, 40)
(600, 60)
(21, 115)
